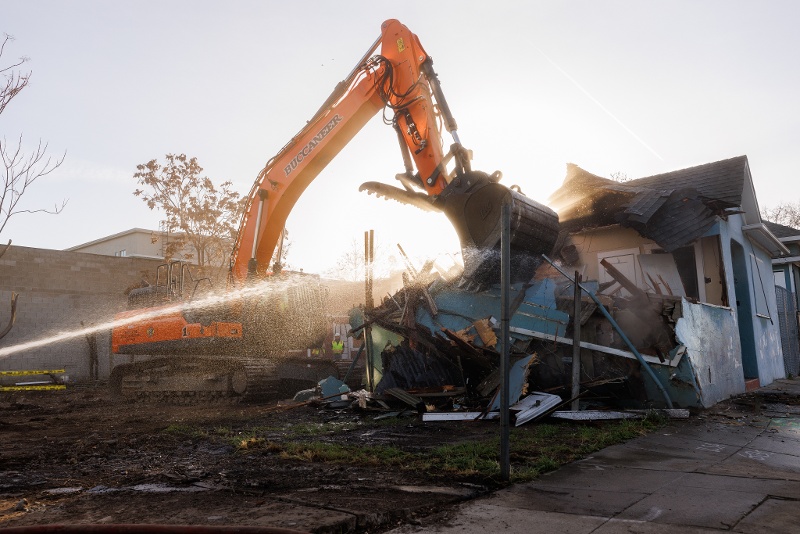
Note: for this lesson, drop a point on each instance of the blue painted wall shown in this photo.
(763, 332)
(726, 345)
(711, 336)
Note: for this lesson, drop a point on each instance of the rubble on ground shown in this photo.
(435, 347)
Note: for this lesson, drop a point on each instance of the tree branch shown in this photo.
(13, 317)
(20, 172)
(14, 82)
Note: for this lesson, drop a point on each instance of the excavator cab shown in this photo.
(174, 283)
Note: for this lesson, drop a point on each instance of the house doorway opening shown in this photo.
(744, 311)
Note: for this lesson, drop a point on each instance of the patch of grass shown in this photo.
(254, 443)
(315, 451)
(466, 459)
(546, 463)
(656, 417)
(542, 448)
(331, 428)
(185, 431)
(250, 437)
(535, 448)
(245, 439)
(319, 429)
(546, 430)
(306, 429)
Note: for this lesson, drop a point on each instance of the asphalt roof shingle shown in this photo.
(781, 230)
(673, 209)
(721, 180)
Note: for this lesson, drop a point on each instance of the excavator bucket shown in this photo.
(473, 203)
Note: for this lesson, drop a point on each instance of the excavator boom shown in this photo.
(394, 80)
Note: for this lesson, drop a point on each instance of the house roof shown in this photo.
(721, 180)
(781, 231)
(114, 236)
(673, 209)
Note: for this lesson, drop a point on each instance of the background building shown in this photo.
(136, 243)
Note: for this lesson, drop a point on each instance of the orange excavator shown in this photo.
(241, 343)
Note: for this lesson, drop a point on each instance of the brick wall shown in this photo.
(57, 290)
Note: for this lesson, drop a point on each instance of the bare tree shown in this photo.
(281, 251)
(350, 262)
(199, 213)
(14, 296)
(787, 214)
(620, 177)
(21, 169)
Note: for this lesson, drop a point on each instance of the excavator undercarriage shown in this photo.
(250, 347)
(192, 379)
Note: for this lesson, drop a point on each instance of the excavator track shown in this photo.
(208, 380)
(195, 380)
(261, 381)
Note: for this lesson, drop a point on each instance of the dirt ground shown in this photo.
(76, 457)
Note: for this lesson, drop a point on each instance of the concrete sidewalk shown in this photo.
(733, 468)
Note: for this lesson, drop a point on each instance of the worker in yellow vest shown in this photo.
(337, 346)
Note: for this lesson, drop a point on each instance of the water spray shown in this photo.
(250, 290)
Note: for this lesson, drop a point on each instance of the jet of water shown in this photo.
(209, 301)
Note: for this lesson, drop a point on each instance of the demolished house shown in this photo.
(694, 237)
(678, 307)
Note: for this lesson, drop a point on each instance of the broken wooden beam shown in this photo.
(600, 348)
(623, 280)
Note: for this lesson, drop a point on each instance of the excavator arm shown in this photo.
(399, 80)
(230, 346)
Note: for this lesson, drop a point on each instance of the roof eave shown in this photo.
(784, 261)
(759, 235)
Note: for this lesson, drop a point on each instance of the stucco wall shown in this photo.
(765, 331)
(711, 337)
(137, 243)
(58, 290)
(757, 352)
(591, 242)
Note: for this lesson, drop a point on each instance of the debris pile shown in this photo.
(436, 351)
(436, 347)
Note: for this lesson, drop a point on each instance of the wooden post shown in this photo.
(615, 326)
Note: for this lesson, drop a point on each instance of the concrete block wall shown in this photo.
(57, 290)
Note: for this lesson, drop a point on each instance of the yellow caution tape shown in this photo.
(23, 373)
(32, 388)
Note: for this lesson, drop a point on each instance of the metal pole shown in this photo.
(368, 251)
(252, 265)
(505, 302)
(368, 305)
(622, 335)
(576, 345)
(370, 263)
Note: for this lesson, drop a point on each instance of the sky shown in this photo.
(626, 86)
